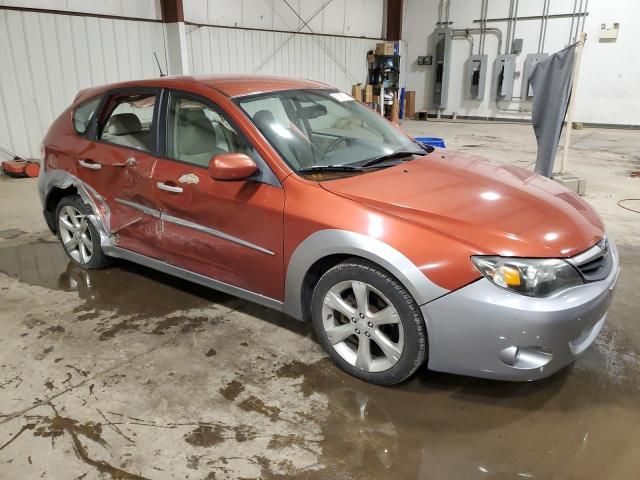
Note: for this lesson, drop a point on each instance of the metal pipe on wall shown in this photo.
(584, 15)
(573, 17)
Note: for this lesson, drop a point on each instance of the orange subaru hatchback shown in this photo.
(291, 194)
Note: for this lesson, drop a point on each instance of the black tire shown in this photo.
(414, 350)
(98, 258)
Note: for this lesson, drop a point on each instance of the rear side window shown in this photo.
(130, 123)
(83, 115)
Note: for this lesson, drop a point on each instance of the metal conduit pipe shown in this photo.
(573, 17)
(544, 9)
(575, 35)
(496, 31)
(509, 23)
(515, 22)
(584, 15)
(546, 21)
(467, 35)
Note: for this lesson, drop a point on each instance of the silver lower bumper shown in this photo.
(484, 331)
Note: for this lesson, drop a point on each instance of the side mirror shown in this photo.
(230, 167)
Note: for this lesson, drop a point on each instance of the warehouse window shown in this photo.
(130, 122)
(83, 115)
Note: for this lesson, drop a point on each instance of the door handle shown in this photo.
(130, 162)
(169, 188)
(90, 164)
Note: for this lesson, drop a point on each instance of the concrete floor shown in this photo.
(125, 373)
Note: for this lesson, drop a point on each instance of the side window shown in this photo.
(83, 115)
(197, 132)
(130, 123)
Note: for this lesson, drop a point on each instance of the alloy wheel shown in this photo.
(75, 234)
(363, 326)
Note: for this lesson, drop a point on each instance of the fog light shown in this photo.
(525, 358)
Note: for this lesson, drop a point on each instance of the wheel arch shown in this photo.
(53, 197)
(326, 248)
(56, 184)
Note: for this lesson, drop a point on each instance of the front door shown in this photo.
(119, 165)
(229, 231)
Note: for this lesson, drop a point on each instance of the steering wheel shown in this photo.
(335, 143)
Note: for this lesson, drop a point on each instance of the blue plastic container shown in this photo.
(433, 141)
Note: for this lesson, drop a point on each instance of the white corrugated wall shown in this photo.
(337, 61)
(45, 59)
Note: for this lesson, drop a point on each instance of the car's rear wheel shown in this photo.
(368, 323)
(78, 236)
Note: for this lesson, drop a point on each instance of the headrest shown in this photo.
(124, 123)
(197, 134)
(264, 118)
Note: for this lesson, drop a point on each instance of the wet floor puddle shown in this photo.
(126, 289)
(582, 423)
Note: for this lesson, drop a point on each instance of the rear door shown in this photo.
(118, 164)
(229, 231)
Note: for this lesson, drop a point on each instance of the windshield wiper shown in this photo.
(389, 156)
(330, 168)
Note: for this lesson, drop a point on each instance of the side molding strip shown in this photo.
(215, 233)
(195, 226)
(193, 277)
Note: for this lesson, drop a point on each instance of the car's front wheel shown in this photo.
(78, 236)
(368, 322)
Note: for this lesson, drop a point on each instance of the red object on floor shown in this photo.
(14, 168)
(21, 168)
(32, 169)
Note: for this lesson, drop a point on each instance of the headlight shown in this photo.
(535, 277)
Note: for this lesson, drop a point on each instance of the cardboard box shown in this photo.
(410, 104)
(385, 48)
(356, 91)
(368, 94)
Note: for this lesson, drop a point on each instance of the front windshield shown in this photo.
(315, 129)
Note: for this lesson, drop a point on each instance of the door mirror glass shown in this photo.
(229, 167)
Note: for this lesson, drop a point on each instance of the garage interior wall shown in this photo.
(607, 91)
(48, 57)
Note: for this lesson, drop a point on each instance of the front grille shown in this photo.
(594, 264)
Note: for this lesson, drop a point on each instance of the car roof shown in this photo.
(235, 85)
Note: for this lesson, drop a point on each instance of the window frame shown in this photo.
(265, 173)
(88, 133)
(99, 120)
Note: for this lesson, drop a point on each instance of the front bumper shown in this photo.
(484, 331)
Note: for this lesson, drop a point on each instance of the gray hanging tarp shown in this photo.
(551, 84)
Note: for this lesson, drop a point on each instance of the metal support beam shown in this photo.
(394, 19)
(175, 37)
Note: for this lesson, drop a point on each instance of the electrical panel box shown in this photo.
(476, 76)
(442, 61)
(530, 63)
(516, 46)
(608, 33)
(505, 73)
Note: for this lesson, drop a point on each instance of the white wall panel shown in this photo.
(48, 58)
(356, 18)
(337, 61)
(123, 8)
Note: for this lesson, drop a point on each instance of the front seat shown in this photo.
(197, 138)
(126, 129)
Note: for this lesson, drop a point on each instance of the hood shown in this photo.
(493, 209)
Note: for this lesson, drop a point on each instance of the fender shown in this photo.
(100, 218)
(331, 242)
